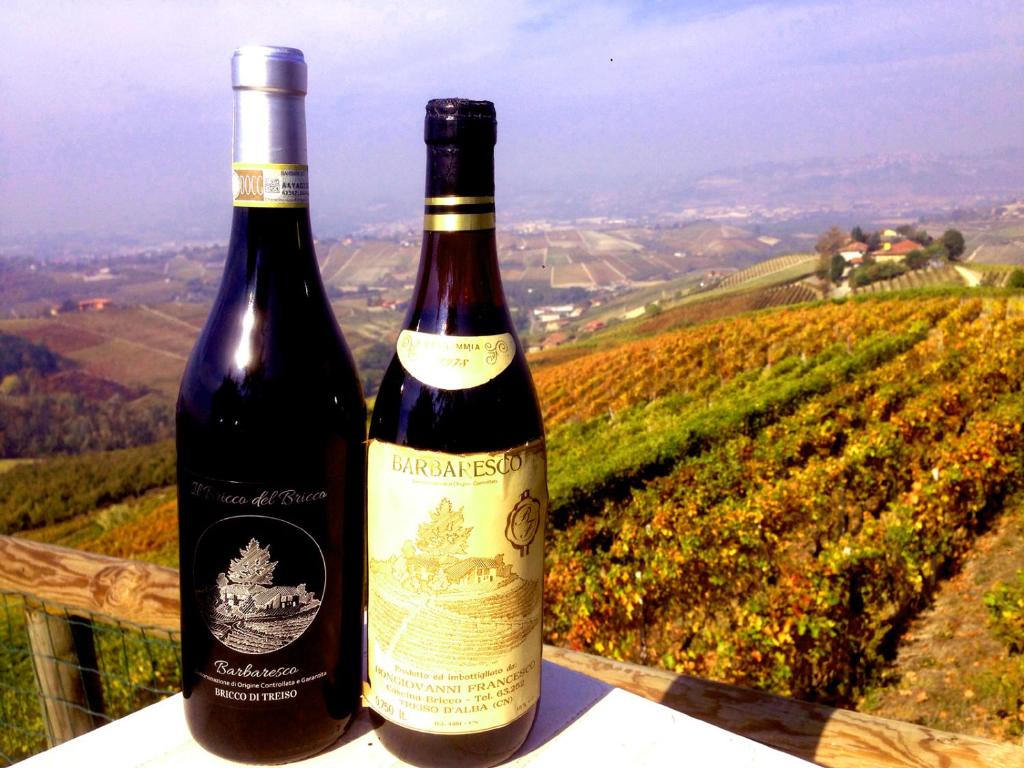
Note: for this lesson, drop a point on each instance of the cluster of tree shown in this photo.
(949, 247)
(872, 273)
(45, 492)
(36, 420)
(43, 423)
(17, 354)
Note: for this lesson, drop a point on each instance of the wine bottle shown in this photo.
(271, 425)
(457, 484)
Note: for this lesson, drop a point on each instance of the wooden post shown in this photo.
(85, 584)
(64, 658)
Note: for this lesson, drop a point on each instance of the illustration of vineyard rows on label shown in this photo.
(247, 612)
(436, 604)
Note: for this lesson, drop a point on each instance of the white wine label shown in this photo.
(456, 560)
(455, 362)
(270, 185)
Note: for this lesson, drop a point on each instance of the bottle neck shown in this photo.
(458, 288)
(269, 150)
(268, 127)
(270, 191)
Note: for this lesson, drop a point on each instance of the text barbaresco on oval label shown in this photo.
(455, 362)
(455, 545)
(270, 185)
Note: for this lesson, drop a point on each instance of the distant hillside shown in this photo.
(137, 347)
(50, 405)
(902, 180)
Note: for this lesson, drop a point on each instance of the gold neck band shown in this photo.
(457, 222)
(455, 200)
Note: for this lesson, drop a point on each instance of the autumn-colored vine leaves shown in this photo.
(782, 549)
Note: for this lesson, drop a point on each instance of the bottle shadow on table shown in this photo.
(565, 697)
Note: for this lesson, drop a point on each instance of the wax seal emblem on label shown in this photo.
(523, 523)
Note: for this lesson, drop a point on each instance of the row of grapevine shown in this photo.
(748, 373)
(783, 295)
(785, 558)
(45, 492)
(699, 360)
(922, 278)
(769, 267)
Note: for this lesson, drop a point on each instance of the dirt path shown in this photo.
(972, 278)
(129, 342)
(948, 669)
(170, 318)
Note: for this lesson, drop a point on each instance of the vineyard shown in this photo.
(924, 278)
(42, 493)
(767, 500)
(783, 295)
(802, 264)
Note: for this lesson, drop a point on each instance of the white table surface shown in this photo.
(581, 722)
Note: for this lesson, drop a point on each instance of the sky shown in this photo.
(115, 117)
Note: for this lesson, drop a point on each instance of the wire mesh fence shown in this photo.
(63, 673)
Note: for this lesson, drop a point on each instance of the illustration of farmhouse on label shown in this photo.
(435, 581)
(248, 613)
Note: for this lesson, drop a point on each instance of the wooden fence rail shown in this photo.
(146, 594)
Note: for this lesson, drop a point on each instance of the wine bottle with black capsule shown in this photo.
(271, 460)
(457, 484)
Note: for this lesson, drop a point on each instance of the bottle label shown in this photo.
(455, 362)
(456, 560)
(270, 185)
(258, 583)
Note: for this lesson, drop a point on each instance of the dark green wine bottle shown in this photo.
(457, 485)
(270, 435)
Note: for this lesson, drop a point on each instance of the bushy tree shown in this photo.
(829, 244)
(253, 566)
(837, 268)
(871, 273)
(954, 242)
(917, 234)
(857, 235)
(916, 259)
(445, 534)
(1016, 279)
(937, 250)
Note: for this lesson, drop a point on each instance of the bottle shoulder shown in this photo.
(498, 414)
(289, 386)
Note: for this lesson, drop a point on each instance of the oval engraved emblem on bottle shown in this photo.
(259, 582)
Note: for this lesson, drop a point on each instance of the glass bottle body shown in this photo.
(458, 294)
(270, 431)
